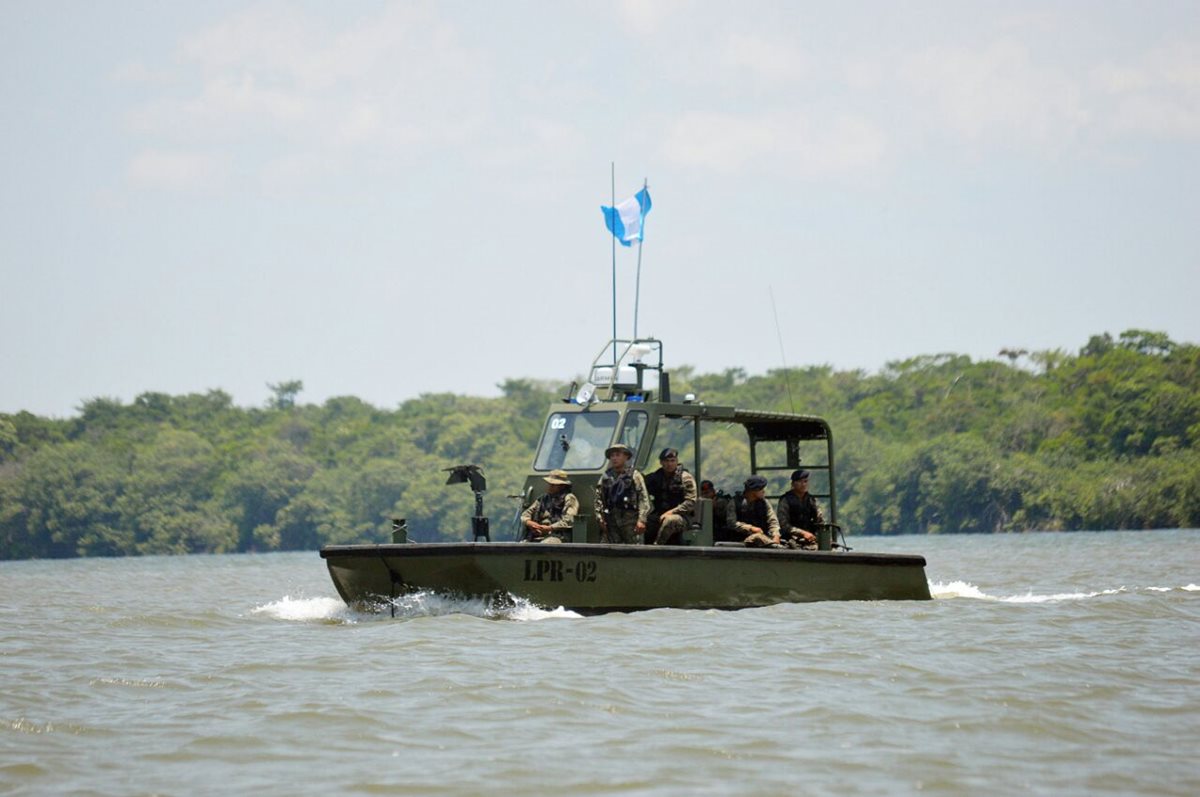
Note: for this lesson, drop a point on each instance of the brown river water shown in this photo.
(1057, 664)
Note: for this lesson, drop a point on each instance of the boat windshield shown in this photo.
(634, 428)
(575, 440)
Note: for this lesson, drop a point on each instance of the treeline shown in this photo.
(1101, 439)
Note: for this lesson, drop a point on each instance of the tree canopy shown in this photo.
(1101, 439)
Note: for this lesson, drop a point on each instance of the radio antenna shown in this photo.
(638, 290)
(787, 377)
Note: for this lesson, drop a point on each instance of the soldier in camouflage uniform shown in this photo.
(622, 503)
(800, 514)
(720, 504)
(673, 497)
(751, 518)
(551, 517)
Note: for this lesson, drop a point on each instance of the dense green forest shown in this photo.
(1101, 439)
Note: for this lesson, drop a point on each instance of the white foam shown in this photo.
(307, 610)
(432, 604)
(962, 589)
(525, 611)
(1059, 596)
(411, 605)
(956, 589)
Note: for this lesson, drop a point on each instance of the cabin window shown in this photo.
(677, 433)
(777, 459)
(575, 440)
(634, 429)
(771, 459)
(814, 457)
(726, 456)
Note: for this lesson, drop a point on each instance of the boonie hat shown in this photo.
(800, 474)
(608, 452)
(557, 477)
(755, 483)
(667, 453)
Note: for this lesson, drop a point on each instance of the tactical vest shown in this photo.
(802, 512)
(753, 513)
(666, 496)
(617, 491)
(551, 507)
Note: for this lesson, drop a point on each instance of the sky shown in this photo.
(385, 199)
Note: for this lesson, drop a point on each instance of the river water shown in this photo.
(1063, 664)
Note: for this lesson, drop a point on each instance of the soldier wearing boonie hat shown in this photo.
(551, 517)
(621, 447)
(621, 502)
(750, 515)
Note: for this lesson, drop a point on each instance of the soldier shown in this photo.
(551, 517)
(800, 514)
(720, 504)
(673, 497)
(750, 515)
(621, 499)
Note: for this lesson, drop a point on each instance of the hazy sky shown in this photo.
(385, 199)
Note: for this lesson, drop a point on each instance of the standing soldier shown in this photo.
(621, 499)
(750, 515)
(800, 514)
(673, 494)
(551, 517)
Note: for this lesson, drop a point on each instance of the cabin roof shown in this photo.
(781, 425)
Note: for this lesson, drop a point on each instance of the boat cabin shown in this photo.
(627, 399)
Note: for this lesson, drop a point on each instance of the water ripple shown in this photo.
(1055, 664)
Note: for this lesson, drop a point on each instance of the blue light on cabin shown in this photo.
(635, 398)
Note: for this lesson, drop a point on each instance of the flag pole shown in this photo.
(614, 269)
(637, 291)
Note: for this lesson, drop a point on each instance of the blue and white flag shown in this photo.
(628, 218)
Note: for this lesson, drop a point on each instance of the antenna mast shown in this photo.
(787, 377)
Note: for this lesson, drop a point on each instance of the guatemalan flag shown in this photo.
(628, 218)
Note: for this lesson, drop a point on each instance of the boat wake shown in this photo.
(962, 589)
(510, 607)
(431, 604)
(417, 604)
(309, 610)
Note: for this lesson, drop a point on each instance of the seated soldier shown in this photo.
(720, 504)
(672, 499)
(551, 516)
(751, 518)
(800, 514)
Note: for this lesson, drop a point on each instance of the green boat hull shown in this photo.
(592, 579)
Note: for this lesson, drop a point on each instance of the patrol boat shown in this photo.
(627, 400)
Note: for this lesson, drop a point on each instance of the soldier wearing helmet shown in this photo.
(622, 502)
